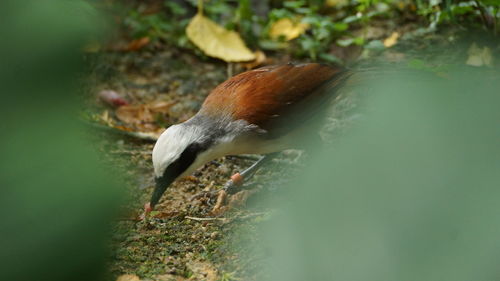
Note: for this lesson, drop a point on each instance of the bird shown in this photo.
(261, 111)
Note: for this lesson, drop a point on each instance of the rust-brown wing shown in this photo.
(276, 98)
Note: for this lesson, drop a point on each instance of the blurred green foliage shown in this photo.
(331, 21)
(411, 193)
(56, 199)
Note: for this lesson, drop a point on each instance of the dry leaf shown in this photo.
(216, 41)
(143, 116)
(391, 40)
(288, 28)
(137, 44)
(133, 114)
(260, 58)
(479, 56)
(336, 3)
(128, 277)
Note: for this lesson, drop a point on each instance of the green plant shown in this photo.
(168, 24)
(322, 31)
(471, 13)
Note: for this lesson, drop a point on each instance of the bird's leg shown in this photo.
(238, 178)
(236, 181)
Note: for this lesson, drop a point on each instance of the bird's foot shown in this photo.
(226, 202)
(232, 186)
(220, 205)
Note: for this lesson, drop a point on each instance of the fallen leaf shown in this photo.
(260, 58)
(160, 106)
(137, 44)
(112, 98)
(336, 3)
(133, 114)
(128, 277)
(288, 28)
(391, 40)
(143, 117)
(479, 56)
(216, 41)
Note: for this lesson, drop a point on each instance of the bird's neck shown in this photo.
(221, 135)
(219, 128)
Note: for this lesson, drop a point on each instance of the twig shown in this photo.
(230, 70)
(151, 137)
(249, 216)
(204, 219)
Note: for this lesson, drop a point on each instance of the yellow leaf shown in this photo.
(288, 28)
(336, 3)
(479, 56)
(391, 40)
(260, 58)
(216, 41)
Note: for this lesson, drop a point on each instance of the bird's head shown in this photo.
(175, 154)
(184, 147)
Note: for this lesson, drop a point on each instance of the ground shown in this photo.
(182, 241)
(177, 243)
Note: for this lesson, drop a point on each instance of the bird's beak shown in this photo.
(162, 184)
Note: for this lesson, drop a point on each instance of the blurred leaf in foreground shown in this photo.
(479, 56)
(411, 194)
(391, 40)
(56, 200)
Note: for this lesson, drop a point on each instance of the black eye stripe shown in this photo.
(174, 170)
(187, 157)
